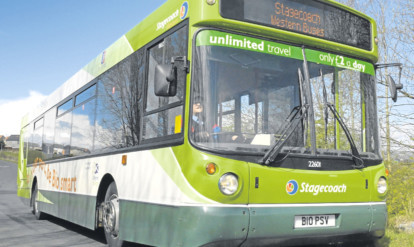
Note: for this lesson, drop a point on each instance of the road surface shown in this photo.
(18, 226)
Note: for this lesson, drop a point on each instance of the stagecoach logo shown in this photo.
(184, 10)
(292, 187)
(181, 13)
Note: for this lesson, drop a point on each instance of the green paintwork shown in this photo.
(78, 209)
(193, 164)
(166, 225)
(197, 225)
(44, 199)
(250, 44)
(23, 186)
(273, 181)
(339, 61)
(205, 38)
(166, 158)
(279, 223)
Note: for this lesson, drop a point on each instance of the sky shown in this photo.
(44, 42)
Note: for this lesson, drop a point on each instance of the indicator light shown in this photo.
(211, 168)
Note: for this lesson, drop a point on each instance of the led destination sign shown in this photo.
(308, 17)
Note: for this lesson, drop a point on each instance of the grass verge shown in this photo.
(11, 156)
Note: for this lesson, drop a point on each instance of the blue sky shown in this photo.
(44, 42)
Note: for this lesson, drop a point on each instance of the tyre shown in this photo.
(111, 216)
(35, 210)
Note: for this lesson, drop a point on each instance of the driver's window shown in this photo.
(251, 115)
(226, 111)
(163, 116)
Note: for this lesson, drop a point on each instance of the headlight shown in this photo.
(228, 184)
(382, 185)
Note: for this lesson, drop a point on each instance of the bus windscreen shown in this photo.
(309, 17)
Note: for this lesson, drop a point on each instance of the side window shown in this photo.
(35, 145)
(65, 107)
(63, 130)
(85, 95)
(27, 139)
(119, 104)
(48, 134)
(83, 126)
(163, 115)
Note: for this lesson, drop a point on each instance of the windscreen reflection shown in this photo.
(241, 99)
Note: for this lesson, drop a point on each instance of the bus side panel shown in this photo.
(156, 196)
(168, 225)
(78, 209)
(23, 185)
(65, 191)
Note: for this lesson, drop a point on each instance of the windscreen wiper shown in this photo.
(303, 99)
(356, 157)
(325, 110)
(292, 121)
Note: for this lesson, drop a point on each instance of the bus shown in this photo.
(217, 123)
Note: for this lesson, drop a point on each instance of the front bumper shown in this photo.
(247, 225)
(271, 225)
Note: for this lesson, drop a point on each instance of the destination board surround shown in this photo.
(309, 17)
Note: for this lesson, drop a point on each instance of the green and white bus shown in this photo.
(217, 123)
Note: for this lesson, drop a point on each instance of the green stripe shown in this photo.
(339, 61)
(216, 38)
(167, 160)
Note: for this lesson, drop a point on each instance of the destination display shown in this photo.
(308, 17)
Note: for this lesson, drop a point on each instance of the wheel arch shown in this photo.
(106, 180)
(34, 182)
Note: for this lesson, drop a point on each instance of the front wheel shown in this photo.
(111, 216)
(35, 210)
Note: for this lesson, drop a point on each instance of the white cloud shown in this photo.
(12, 112)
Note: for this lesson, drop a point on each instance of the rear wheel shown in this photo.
(111, 216)
(35, 209)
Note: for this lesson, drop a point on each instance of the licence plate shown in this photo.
(308, 221)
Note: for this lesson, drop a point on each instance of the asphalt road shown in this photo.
(18, 226)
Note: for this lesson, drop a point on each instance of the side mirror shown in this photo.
(165, 80)
(393, 87)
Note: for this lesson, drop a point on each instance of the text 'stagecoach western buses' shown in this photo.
(217, 123)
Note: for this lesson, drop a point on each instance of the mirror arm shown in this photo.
(393, 87)
(184, 59)
(387, 65)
